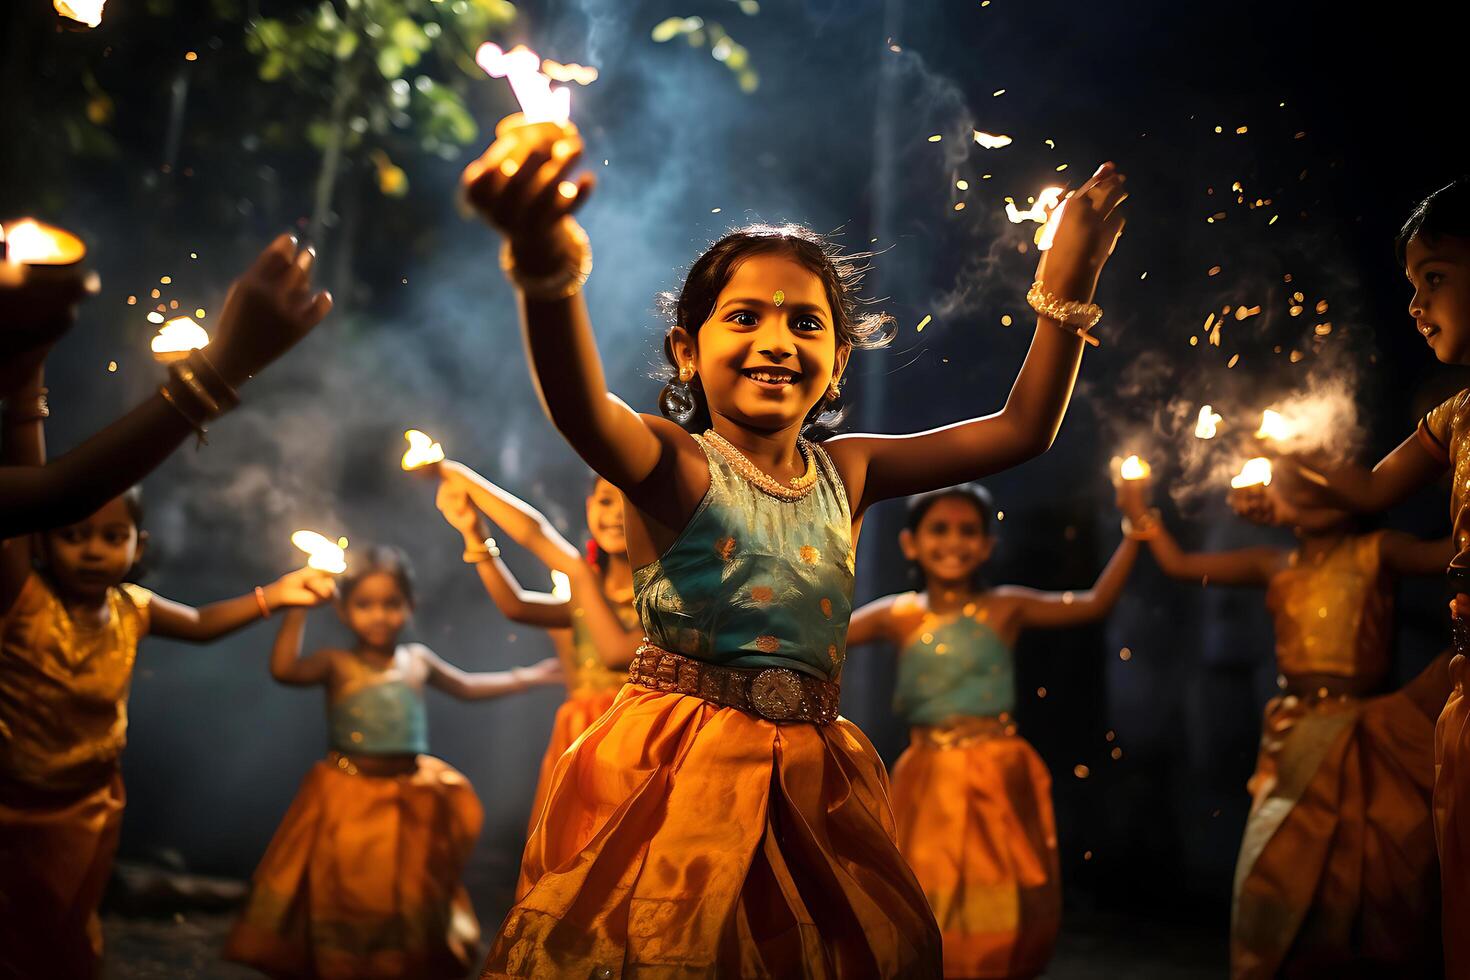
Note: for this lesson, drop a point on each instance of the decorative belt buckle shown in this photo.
(776, 694)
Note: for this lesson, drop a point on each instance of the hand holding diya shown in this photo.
(1133, 479)
(178, 336)
(42, 279)
(423, 454)
(323, 554)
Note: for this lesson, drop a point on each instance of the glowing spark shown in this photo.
(87, 12)
(30, 242)
(177, 337)
(1134, 468)
(1207, 424)
(579, 74)
(422, 450)
(522, 68)
(561, 586)
(1255, 472)
(923, 323)
(990, 142)
(1273, 426)
(324, 554)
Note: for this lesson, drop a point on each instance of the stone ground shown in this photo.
(1097, 946)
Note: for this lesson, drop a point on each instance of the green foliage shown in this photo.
(700, 33)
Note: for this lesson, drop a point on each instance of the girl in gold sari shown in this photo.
(971, 797)
(721, 819)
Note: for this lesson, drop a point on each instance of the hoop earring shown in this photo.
(686, 374)
(834, 389)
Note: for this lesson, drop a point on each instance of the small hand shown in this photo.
(305, 587)
(521, 183)
(267, 310)
(454, 503)
(37, 306)
(543, 672)
(1089, 224)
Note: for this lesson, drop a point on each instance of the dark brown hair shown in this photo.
(1445, 212)
(380, 559)
(921, 503)
(841, 276)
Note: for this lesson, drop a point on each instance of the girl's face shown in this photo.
(605, 518)
(376, 610)
(88, 558)
(769, 349)
(1439, 271)
(950, 542)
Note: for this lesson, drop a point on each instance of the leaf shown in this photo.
(408, 35)
(346, 45)
(390, 62)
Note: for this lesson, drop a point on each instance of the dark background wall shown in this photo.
(1348, 122)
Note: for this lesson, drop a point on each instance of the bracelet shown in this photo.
(184, 375)
(195, 423)
(28, 406)
(473, 556)
(265, 609)
(220, 390)
(563, 283)
(1066, 311)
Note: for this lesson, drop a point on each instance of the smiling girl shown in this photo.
(972, 799)
(721, 818)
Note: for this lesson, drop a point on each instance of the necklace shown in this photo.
(797, 488)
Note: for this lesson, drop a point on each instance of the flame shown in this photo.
(990, 142)
(1046, 202)
(557, 72)
(1134, 468)
(87, 12)
(33, 243)
(1255, 472)
(561, 586)
(522, 68)
(1273, 426)
(325, 555)
(179, 335)
(1209, 419)
(422, 450)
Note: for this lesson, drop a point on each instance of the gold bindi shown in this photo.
(779, 298)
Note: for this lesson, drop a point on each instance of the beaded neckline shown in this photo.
(796, 489)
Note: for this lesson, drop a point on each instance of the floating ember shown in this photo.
(422, 450)
(990, 142)
(30, 242)
(176, 338)
(324, 554)
(1255, 472)
(1208, 422)
(557, 72)
(522, 68)
(87, 12)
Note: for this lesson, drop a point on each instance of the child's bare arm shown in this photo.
(287, 664)
(1056, 610)
(305, 587)
(870, 623)
(478, 686)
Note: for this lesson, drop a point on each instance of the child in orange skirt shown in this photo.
(721, 819)
(972, 799)
(69, 639)
(1337, 868)
(593, 625)
(362, 877)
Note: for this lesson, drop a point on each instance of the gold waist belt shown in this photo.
(962, 732)
(775, 693)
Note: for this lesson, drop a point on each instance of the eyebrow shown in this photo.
(790, 305)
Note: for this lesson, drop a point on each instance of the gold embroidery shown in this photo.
(827, 608)
(762, 593)
(810, 555)
(767, 644)
(725, 547)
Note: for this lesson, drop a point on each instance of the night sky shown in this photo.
(1346, 123)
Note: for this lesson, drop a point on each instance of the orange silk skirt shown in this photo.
(362, 879)
(1337, 871)
(55, 860)
(575, 716)
(683, 839)
(973, 806)
(1452, 820)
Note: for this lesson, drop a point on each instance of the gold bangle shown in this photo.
(28, 406)
(186, 377)
(219, 389)
(1070, 312)
(265, 609)
(563, 283)
(196, 424)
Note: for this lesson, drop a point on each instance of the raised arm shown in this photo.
(483, 685)
(267, 311)
(1406, 555)
(303, 588)
(522, 523)
(1416, 461)
(1243, 566)
(870, 623)
(879, 467)
(287, 664)
(1055, 610)
(24, 444)
(515, 603)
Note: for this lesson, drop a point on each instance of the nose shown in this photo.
(1416, 306)
(775, 340)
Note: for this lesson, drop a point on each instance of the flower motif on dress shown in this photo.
(827, 608)
(762, 593)
(809, 554)
(767, 644)
(725, 547)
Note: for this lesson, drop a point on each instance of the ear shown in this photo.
(142, 547)
(906, 543)
(839, 366)
(683, 347)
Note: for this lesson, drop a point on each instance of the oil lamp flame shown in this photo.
(1255, 472)
(1273, 426)
(1046, 202)
(1135, 468)
(422, 450)
(323, 553)
(561, 586)
(179, 335)
(522, 68)
(87, 12)
(991, 142)
(30, 242)
(1208, 424)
